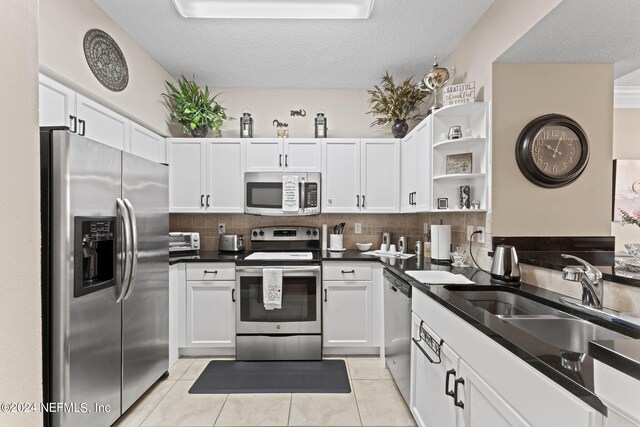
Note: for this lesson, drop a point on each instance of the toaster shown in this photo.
(183, 242)
(231, 243)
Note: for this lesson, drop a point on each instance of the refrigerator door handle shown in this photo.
(134, 247)
(123, 278)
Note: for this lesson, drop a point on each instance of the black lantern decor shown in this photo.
(246, 126)
(321, 126)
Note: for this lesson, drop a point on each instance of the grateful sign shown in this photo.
(459, 94)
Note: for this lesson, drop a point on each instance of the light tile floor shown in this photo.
(374, 401)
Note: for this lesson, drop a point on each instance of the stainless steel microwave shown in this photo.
(276, 193)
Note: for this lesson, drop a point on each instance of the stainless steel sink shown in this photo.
(565, 333)
(546, 323)
(506, 304)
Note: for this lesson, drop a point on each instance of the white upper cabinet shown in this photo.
(225, 178)
(62, 106)
(264, 154)
(341, 175)
(147, 144)
(409, 167)
(415, 165)
(360, 175)
(206, 175)
(187, 178)
(302, 155)
(57, 104)
(380, 175)
(101, 124)
(283, 154)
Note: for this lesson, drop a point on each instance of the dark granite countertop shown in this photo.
(623, 354)
(206, 256)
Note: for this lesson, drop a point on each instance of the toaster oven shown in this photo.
(184, 242)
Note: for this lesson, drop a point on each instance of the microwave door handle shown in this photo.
(303, 196)
(134, 247)
(123, 278)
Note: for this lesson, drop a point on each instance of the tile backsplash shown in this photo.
(373, 225)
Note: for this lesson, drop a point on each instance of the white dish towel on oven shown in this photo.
(272, 288)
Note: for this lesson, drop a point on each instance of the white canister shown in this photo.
(335, 241)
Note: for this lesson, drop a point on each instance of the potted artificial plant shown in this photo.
(196, 110)
(395, 103)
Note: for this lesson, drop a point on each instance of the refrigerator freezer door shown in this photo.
(145, 328)
(85, 331)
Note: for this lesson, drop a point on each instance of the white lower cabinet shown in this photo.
(210, 305)
(478, 382)
(350, 304)
(619, 392)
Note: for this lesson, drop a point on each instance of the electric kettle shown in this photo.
(505, 268)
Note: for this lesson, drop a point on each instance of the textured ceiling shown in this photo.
(586, 31)
(401, 36)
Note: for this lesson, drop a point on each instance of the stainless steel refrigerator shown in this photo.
(105, 277)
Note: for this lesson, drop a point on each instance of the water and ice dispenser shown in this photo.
(94, 254)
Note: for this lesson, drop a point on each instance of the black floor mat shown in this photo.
(229, 376)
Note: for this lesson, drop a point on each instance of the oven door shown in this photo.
(300, 312)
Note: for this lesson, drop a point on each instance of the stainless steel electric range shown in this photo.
(294, 331)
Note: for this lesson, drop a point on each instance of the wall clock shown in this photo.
(552, 151)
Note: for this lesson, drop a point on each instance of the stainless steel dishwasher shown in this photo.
(397, 330)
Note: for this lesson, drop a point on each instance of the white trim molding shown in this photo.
(626, 97)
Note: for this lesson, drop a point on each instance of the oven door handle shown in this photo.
(288, 269)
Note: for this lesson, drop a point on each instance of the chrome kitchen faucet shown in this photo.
(589, 277)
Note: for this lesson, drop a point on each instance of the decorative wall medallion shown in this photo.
(106, 60)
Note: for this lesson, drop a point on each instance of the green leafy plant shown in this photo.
(192, 107)
(628, 218)
(395, 102)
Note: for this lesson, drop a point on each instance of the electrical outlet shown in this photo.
(358, 228)
(469, 231)
(425, 228)
(222, 228)
(481, 235)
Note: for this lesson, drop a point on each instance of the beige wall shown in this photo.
(63, 24)
(345, 110)
(20, 332)
(501, 26)
(626, 137)
(522, 92)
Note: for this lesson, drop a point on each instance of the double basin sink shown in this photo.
(539, 320)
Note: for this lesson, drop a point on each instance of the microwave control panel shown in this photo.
(312, 195)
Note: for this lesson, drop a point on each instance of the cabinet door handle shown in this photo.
(208, 197)
(347, 271)
(363, 200)
(410, 199)
(210, 272)
(82, 126)
(357, 201)
(414, 198)
(325, 295)
(286, 160)
(457, 402)
(202, 200)
(74, 122)
(450, 372)
(280, 161)
(233, 295)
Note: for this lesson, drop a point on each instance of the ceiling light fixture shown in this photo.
(275, 9)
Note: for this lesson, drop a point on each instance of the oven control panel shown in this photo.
(285, 233)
